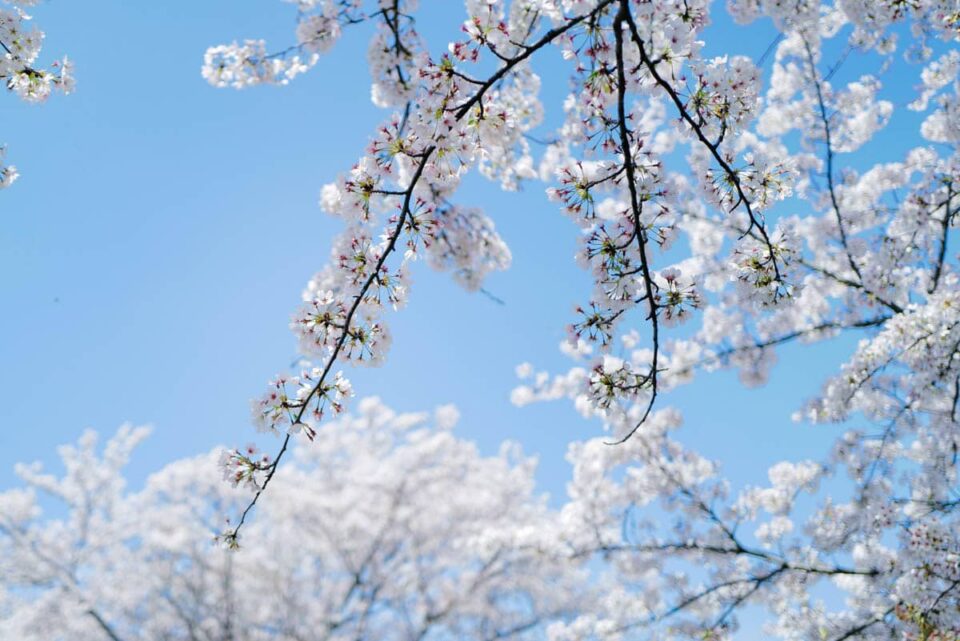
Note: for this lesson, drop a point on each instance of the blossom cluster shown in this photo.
(20, 46)
(19, 51)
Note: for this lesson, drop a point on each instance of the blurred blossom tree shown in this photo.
(390, 528)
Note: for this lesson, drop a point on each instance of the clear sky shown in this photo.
(162, 230)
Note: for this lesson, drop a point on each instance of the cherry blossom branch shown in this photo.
(725, 354)
(944, 233)
(732, 175)
(636, 205)
(230, 538)
(829, 153)
(109, 631)
(346, 19)
(823, 271)
(738, 549)
(852, 632)
(25, 68)
(892, 306)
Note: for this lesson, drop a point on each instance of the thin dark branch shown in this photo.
(755, 221)
(829, 151)
(626, 148)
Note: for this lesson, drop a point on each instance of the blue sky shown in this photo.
(159, 237)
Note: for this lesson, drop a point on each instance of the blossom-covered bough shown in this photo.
(452, 120)
(412, 535)
(660, 143)
(19, 50)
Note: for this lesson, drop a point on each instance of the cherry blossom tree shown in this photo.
(390, 528)
(788, 234)
(19, 50)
